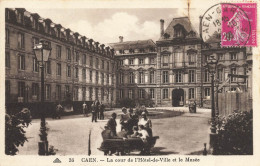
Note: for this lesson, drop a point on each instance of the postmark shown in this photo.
(230, 24)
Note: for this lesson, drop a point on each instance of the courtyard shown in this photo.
(180, 132)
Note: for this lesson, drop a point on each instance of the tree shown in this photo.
(14, 130)
(235, 134)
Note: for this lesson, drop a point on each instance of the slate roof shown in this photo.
(133, 44)
(185, 22)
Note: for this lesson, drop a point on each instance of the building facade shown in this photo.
(78, 68)
(136, 71)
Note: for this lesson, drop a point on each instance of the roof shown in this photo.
(185, 22)
(133, 44)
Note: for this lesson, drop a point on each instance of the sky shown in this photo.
(106, 25)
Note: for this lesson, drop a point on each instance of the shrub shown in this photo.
(14, 130)
(127, 103)
(235, 134)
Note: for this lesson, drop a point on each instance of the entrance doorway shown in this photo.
(177, 97)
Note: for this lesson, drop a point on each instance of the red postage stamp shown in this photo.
(239, 24)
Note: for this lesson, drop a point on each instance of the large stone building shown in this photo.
(178, 67)
(78, 67)
(136, 72)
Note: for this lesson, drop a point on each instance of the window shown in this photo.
(233, 72)
(67, 89)
(97, 77)
(58, 51)
(76, 72)
(96, 93)
(165, 77)
(21, 89)
(76, 93)
(7, 59)
(178, 76)
(121, 94)
(192, 59)
(220, 56)
(58, 92)
(141, 77)
(165, 93)
(7, 90)
(107, 79)
(90, 93)
(103, 64)
(112, 94)
(90, 76)
(20, 40)
(178, 32)
(102, 78)
(206, 76)
(35, 41)
(108, 67)
(220, 74)
(58, 69)
(91, 61)
(102, 94)
(68, 71)
(68, 54)
(35, 65)
(21, 62)
(178, 59)
(191, 93)
(121, 62)
(152, 60)
(112, 79)
(191, 75)
(7, 36)
(141, 93)
(47, 92)
(207, 92)
(151, 77)
(121, 78)
(77, 56)
(130, 93)
(83, 93)
(233, 56)
(152, 93)
(131, 77)
(97, 63)
(35, 91)
(141, 61)
(84, 59)
(48, 67)
(165, 60)
(84, 74)
(20, 18)
(131, 61)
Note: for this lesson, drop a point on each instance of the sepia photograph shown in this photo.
(138, 81)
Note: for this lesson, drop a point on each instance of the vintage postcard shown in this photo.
(129, 82)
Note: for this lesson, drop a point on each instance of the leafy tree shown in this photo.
(14, 130)
(235, 134)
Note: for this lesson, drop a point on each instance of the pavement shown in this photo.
(184, 134)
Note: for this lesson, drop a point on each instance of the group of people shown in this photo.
(97, 110)
(132, 124)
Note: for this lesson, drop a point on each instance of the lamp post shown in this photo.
(42, 52)
(211, 66)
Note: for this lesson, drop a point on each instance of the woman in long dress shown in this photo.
(147, 123)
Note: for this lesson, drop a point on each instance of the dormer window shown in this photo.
(178, 30)
(35, 25)
(20, 17)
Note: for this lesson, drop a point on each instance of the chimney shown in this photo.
(162, 27)
(121, 39)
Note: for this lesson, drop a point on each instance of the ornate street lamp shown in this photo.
(211, 66)
(42, 52)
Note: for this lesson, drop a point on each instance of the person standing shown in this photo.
(101, 111)
(94, 113)
(98, 109)
(111, 124)
(125, 117)
(58, 111)
(84, 109)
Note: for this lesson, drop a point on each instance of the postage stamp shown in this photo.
(239, 22)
